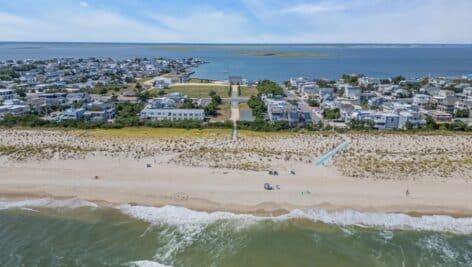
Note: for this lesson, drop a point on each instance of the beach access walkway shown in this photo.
(321, 161)
(235, 109)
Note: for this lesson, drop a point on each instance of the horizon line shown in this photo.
(237, 43)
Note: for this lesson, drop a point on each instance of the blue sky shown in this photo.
(233, 21)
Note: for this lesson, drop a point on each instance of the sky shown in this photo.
(238, 21)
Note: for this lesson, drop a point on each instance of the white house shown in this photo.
(421, 99)
(352, 92)
(162, 82)
(172, 114)
(13, 107)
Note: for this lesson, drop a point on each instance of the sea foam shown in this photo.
(46, 203)
(194, 221)
(146, 263)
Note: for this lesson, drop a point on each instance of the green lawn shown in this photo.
(200, 91)
(247, 91)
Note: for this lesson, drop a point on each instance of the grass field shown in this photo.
(247, 91)
(200, 91)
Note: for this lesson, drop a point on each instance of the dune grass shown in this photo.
(145, 132)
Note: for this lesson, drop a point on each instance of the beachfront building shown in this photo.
(380, 120)
(281, 110)
(71, 114)
(99, 111)
(440, 117)
(152, 114)
(415, 119)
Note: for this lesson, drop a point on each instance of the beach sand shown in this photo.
(199, 172)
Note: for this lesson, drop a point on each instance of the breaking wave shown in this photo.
(146, 263)
(46, 203)
(194, 221)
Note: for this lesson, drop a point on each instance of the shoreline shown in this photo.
(240, 192)
(207, 171)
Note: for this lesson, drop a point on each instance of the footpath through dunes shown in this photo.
(235, 109)
(205, 170)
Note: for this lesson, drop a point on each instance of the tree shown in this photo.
(332, 114)
(351, 79)
(398, 79)
(294, 102)
(211, 109)
(457, 126)
(462, 113)
(269, 87)
(312, 102)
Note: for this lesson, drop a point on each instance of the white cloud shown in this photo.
(420, 21)
(311, 9)
(84, 4)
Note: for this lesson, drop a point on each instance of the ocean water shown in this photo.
(275, 62)
(78, 233)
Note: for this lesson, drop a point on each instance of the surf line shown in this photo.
(321, 161)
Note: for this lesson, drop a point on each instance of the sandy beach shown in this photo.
(206, 170)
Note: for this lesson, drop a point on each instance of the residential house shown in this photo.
(421, 99)
(352, 92)
(414, 118)
(162, 82)
(177, 97)
(447, 104)
(462, 105)
(72, 114)
(162, 103)
(149, 113)
(74, 98)
(6, 94)
(467, 91)
(440, 116)
(13, 107)
(100, 111)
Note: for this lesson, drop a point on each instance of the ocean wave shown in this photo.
(146, 263)
(46, 203)
(194, 221)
